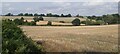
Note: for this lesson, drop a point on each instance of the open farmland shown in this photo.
(55, 19)
(75, 38)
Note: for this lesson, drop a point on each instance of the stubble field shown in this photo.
(75, 38)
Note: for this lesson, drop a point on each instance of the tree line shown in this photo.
(104, 19)
(107, 19)
(45, 15)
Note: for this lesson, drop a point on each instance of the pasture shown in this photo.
(75, 38)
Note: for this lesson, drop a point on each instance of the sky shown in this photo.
(81, 7)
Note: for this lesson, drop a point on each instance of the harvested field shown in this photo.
(54, 19)
(75, 38)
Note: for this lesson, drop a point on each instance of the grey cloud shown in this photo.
(65, 7)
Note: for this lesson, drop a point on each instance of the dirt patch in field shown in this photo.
(75, 38)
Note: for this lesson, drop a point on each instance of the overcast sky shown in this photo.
(83, 7)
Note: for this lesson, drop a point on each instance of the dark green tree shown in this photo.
(62, 15)
(9, 14)
(32, 23)
(40, 18)
(30, 14)
(14, 41)
(35, 14)
(69, 15)
(49, 15)
(26, 14)
(76, 22)
(49, 23)
(21, 14)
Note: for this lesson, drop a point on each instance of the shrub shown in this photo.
(41, 18)
(76, 22)
(21, 22)
(83, 22)
(49, 23)
(32, 23)
(36, 19)
(61, 21)
(17, 21)
(14, 41)
(100, 22)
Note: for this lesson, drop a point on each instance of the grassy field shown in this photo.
(75, 38)
(55, 20)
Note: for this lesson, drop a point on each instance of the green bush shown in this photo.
(22, 22)
(37, 19)
(15, 42)
(98, 22)
(61, 21)
(32, 23)
(83, 22)
(76, 22)
(49, 23)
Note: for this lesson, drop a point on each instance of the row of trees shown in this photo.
(75, 22)
(109, 18)
(21, 21)
(46, 15)
(15, 42)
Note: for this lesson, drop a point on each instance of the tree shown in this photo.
(76, 22)
(32, 23)
(77, 15)
(100, 22)
(14, 40)
(42, 15)
(26, 14)
(41, 18)
(35, 14)
(30, 14)
(9, 14)
(55, 15)
(116, 18)
(108, 18)
(22, 19)
(49, 15)
(36, 18)
(49, 23)
(94, 17)
(21, 14)
(62, 15)
(69, 15)
(17, 21)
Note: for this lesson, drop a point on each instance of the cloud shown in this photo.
(93, 3)
(63, 4)
(57, 0)
(28, 9)
(10, 9)
(6, 4)
(82, 8)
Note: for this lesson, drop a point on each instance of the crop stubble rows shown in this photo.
(75, 38)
